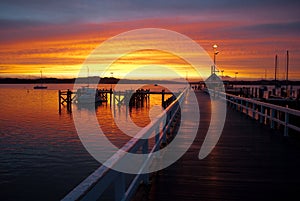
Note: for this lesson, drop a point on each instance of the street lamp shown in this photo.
(215, 55)
(112, 75)
(222, 71)
(236, 74)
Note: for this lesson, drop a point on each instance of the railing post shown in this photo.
(253, 110)
(261, 114)
(119, 185)
(229, 100)
(272, 117)
(286, 122)
(247, 108)
(163, 98)
(241, 106)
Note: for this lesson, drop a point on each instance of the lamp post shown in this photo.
(213, 70)
(222, 71)
(112, 75)
(236, 75)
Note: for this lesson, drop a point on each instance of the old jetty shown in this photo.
(256, 157)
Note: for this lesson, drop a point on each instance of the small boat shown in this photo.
(41, 86)
(88, 95)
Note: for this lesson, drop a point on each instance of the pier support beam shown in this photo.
(59, 101)
(163, 98)
(65, 97)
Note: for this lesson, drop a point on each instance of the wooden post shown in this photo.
(69, 100)
(142, 98)
(119, 99)
(262, 110)
(286, 122)
(110, 96)
(253, 111)
(241, 106)
(272, 114)
(163, 98)
(59, 101)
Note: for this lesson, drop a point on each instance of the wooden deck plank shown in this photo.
(250, 162)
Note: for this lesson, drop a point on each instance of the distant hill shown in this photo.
(105, 80)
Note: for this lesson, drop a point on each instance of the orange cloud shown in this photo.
(64, 48)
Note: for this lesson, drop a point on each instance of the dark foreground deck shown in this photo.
(250, 162)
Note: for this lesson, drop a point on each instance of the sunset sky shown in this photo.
(57, 36)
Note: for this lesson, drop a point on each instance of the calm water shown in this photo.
(41, 156)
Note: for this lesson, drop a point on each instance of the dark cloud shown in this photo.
(12, 23)
(107, 10)
(21, 19)
(288, 27)
(283, 29)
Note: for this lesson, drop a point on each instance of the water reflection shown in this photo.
(35, 141)
(89, 106)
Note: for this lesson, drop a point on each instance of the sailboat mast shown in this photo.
(88, 76)
(276, 62)
(287, 70)
(41, 77)
(41, 80)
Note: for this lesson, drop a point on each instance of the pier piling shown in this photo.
(65, 97)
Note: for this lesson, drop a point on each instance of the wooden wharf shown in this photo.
(251, 161)
(127, 97)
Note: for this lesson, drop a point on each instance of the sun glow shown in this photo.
(152, 64)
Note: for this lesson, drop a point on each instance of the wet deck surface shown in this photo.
(250, 162)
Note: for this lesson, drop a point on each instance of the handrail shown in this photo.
(95, 184)
(261, 109)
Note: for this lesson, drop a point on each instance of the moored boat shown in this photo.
(41, 86)
(88, 95)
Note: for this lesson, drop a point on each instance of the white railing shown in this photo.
(263, 112)
(94, 185)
